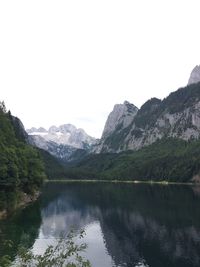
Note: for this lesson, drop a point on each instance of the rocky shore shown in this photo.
(24, 200)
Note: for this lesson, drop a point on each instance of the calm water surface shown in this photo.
(126, 224)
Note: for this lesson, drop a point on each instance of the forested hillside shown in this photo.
(21, 166)
(171, 160)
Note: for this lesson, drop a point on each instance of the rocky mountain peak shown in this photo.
(195, 75)
(32, 130)
(53, 129)
(150, 105)
(65, 142)
(176, 116)
(66, 135)
(42, 130)
(122, 115)
(67, 128)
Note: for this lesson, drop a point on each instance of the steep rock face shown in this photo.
(195, 75)
(62, 142)
(122, 115)
(120, 118)
(176, 116)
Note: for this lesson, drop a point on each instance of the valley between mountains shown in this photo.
(158, 142)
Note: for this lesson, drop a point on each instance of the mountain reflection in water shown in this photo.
(125, 224)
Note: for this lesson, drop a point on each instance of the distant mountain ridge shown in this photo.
(66, 134)
(61, 141)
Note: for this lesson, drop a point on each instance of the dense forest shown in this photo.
(171, 160)
(21, 166)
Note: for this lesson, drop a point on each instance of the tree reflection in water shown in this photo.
(125, 224)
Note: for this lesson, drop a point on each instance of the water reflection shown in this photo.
(138, 225)
(126, 225)
(22, 228)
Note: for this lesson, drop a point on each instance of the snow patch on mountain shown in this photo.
(61, 141)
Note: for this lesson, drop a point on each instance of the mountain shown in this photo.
(120, 118)
(195, 75)
(176, 116)
(158, 142)
(61, 142)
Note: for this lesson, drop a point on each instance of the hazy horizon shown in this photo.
(71, 62)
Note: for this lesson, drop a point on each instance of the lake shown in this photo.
(130, 225)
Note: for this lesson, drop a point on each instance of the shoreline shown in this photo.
(26, 199)
(120, 181)
(23, 201)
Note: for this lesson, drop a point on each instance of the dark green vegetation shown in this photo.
(21, 166)
(54, 169)
(170, 160)
(21, 229)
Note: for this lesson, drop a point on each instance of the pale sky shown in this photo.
(71, 61)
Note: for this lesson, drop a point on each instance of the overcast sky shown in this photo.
(71, 61)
